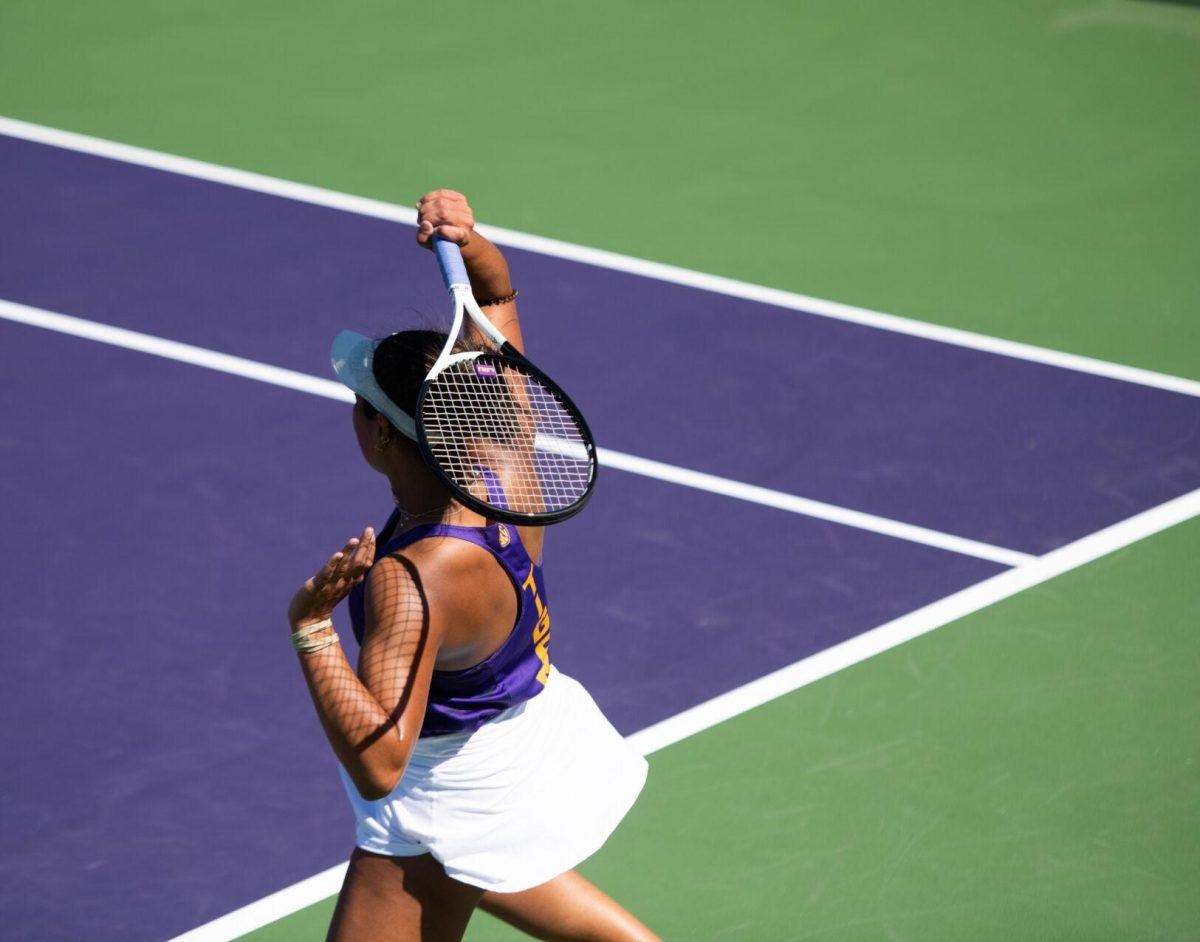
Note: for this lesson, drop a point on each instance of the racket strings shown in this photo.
(487, 414)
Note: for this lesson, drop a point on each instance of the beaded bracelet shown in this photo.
(490, 302)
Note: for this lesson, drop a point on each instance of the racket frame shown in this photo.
(454, 273)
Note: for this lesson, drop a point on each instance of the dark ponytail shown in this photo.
(402, 360)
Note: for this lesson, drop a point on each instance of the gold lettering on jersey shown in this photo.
(505, 538)
(541, 631)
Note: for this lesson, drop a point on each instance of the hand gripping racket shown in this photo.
(495, 429)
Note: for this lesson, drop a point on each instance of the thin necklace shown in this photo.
(407, 518)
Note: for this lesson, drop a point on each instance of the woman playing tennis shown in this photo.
(479, 775)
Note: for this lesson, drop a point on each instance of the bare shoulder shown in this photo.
(395, 595)
(444, 557)
(438, 569)
(440, 589)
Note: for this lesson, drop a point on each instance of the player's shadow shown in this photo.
(414, 659)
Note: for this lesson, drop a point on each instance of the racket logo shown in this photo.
(485, 369)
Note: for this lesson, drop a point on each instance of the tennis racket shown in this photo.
(497, 431)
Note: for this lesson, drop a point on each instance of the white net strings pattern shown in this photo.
(487, 413)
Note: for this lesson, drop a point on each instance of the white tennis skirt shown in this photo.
(528, 796)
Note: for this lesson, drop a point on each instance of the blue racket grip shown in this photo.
(454, 269)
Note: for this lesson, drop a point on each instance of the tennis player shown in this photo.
(478, 773)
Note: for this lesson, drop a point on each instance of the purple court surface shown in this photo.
(165, 765)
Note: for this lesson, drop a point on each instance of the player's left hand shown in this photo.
(445, 214)
(315, 600)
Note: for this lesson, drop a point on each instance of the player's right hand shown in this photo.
(445, 214)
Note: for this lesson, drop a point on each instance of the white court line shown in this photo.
(291, 379)
(172, 350)
(380, 209)
(728, 705)
(810, 508)
(269, 909)
(942, 612)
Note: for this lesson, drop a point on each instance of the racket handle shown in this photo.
(454, 269)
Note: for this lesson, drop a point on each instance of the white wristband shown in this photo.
(311, 629)
(306, 646)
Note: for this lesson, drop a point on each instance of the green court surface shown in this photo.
(1025, 170)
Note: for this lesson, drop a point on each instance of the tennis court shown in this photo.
(902, 608)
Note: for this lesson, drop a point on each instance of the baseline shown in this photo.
(601, 258)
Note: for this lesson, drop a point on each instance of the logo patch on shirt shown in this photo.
(505, 536)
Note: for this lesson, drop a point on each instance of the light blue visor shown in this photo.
(352, 357)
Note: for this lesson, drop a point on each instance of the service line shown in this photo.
(330, 389)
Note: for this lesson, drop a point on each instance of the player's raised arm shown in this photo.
(446, 214)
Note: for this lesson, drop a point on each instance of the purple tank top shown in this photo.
(462, 701)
